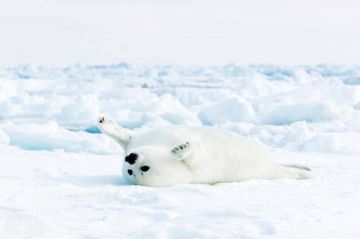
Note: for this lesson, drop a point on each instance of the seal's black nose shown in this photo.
(131, 158)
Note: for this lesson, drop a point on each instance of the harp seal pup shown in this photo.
(180, 155)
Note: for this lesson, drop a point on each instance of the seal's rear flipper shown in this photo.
(297, 166)
(291, 171)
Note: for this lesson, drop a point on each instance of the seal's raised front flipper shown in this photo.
(109, 127)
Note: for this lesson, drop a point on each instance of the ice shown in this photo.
(357, 106)
(61, 178)
(355, 80)
(82, 110)
(50, 136)
(233, 109)
(302, 111)
(340, 143)
(4, 138)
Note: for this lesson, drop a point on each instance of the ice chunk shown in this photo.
(302, 111)
(80, 111)
(233, 109)
(4, 138)
(50, 136)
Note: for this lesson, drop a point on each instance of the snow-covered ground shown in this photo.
(61, 178)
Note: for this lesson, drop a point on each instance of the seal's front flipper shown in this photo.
(110, 128)
(182, 151)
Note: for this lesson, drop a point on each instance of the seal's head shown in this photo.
(154, 166)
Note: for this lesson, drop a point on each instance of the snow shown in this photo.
(61, 178)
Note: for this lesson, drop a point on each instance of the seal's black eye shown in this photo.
(130, 172)
(144, 168)
(131, 158)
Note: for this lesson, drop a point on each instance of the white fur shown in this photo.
(180, 154)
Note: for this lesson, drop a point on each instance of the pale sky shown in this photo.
(186, 32)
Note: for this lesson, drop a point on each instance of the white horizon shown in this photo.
(187, 32)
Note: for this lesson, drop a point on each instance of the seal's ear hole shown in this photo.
(144, 168)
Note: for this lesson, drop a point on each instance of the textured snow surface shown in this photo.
(61, 178)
